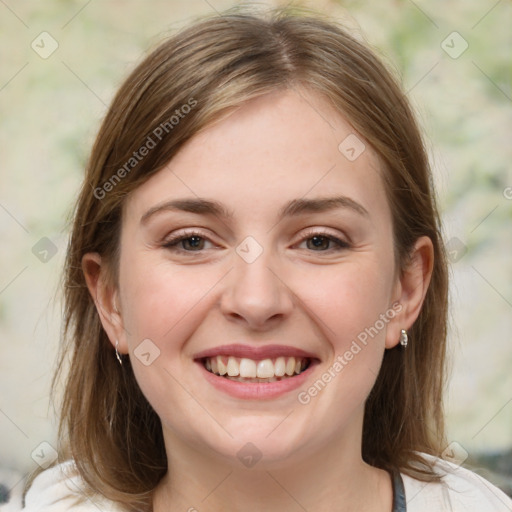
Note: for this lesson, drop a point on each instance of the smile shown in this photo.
(256, 372)
(250, 370)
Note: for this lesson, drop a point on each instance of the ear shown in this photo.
(105, 297)
(411, 288)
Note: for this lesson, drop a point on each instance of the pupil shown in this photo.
(319, 241)
(194, 241)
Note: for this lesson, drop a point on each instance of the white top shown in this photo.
(460, 491)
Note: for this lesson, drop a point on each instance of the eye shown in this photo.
(191, 241)
(194, 241)
(319, 241)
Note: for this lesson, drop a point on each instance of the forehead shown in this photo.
(270, 150)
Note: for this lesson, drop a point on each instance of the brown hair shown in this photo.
(112, 432)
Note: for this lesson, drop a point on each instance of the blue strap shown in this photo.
(399, 503)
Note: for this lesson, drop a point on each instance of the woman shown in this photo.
(256, 288)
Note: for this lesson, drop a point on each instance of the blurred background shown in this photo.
(62, 61)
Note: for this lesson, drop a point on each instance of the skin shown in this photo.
(273, 149)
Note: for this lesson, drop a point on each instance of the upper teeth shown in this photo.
(266, 368)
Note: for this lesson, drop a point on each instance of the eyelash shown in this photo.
(173, 242)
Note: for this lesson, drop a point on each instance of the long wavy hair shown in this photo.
(106, 425)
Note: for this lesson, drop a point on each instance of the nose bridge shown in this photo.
(255, 291)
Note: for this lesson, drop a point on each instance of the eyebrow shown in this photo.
(291, 209)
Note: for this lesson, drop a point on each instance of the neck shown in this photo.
(333, 479)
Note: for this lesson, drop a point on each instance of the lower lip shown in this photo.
(255, 390)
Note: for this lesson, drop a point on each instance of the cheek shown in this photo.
(350, 305)
(348, 300)
(347, 305)
(165, 305)
(162, 302)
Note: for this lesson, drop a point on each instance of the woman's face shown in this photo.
(285, 262)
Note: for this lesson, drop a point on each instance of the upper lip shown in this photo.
(255, 353)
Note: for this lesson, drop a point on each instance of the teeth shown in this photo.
(249, 370)
(280, 367)
(265, 369)
(241, 379)
(290, 366)
(221, 367)
(233, 368)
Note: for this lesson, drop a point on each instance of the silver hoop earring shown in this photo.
(404, 338)
(117, 354)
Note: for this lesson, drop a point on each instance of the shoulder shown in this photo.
(60, 488)
(460, 490)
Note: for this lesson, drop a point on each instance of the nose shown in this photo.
(256, 293)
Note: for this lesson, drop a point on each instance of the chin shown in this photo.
(260, 445)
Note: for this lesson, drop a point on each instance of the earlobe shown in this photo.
(104, 297)
(412, 288)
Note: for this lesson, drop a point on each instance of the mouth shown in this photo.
(256, 371)
(250, 372)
